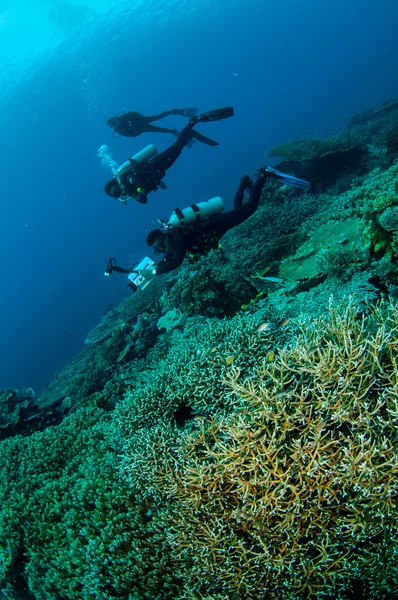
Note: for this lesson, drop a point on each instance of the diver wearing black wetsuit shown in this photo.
(132, 124)
(143, 178)
(198, 239)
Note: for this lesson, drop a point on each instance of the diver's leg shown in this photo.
(238, 200)
(166, 113)
(255, 193)
(155, 129)
(164, 160)
(225, 221)
(222, 222)
(245, 184)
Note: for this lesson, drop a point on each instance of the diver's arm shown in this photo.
(121, 270)
(175, 261)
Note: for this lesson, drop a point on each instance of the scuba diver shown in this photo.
(194, 231)
(132, 124)
(144, 172)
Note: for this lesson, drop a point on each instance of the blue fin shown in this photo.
(287, 179)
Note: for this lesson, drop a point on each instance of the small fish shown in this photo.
(214, 349)
(281, 394)
(272, 279)
(270, 356)
(230, 359)
(262, 327)
(283, 322)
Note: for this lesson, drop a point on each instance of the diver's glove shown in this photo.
(283, 177)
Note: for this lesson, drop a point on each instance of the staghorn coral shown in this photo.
(294, 494)
(194, 370)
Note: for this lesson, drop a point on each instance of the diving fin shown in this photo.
(287, 179)
(202, 138)
(189, 112)
(216, 115)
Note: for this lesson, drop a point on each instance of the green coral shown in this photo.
(342, 261)
(163, 496)
(68, 524)
(389, 219)
(383, 201)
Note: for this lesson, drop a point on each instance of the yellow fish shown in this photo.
(262, 327)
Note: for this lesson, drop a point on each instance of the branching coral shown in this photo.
(194, 370)
(68, 526)
(294, 494)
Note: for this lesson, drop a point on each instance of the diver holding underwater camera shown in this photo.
(144, 172)
(196, 230)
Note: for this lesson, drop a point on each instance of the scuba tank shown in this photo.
(141, 156)
(196, 212)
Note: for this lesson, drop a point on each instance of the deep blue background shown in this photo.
(301, 68)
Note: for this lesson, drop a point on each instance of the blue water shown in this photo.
(289, 67)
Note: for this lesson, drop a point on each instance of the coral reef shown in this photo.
(308, 148)
(69, 527)
(229, 432)
(294, 493)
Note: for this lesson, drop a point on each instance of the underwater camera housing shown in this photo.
(136, 278)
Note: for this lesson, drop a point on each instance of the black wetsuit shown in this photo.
(148, 176)
(132, 124)
(200, 238)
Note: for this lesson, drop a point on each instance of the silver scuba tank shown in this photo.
(141, 156)
(196, 212)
